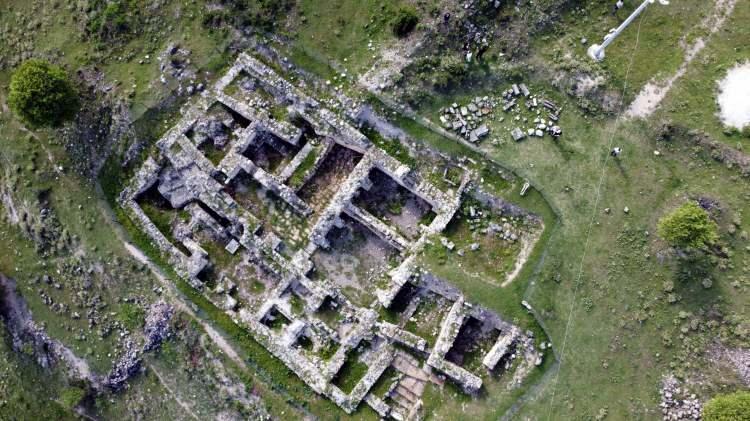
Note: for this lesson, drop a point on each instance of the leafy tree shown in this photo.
(688, 226)
(41, 94)
(732, 407)
(405, 21)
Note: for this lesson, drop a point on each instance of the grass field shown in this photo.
(692, 100)
(620, 309)
(342, 29)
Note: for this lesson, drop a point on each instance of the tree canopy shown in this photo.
(732, 407)
(688, 226)
(41, 94)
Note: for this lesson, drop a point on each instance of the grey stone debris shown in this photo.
(677, 403)
(524, 90)
(478, 133)
(156, 327)
(127, 366)
(525, 188)
(233, 246)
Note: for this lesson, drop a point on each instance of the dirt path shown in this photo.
(527, 247)
(655, 91)
(184, 405)
(177, 301)
(393, 59)
(170, 289)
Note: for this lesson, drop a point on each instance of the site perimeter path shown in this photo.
(175, 296)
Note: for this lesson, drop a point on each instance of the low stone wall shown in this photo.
(191, 177)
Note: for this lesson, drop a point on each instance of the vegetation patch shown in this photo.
(392, 147)
(732, 407)
(405, 21)
(352, 371)
(299, 174)
(41, 94)
(688, 226)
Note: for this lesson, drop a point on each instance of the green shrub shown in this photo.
(262, 14)
(132, 316)
(453, 70)
(71, 397)
(405, 21)
(113, 20)
(732, 407)
(688, 226)
(41, 94)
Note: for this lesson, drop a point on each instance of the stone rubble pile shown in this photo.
(156, 328)
(125, 368)
(468, 120)
(541, 124)
(677, 403)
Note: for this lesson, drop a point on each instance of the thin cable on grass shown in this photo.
(602, 178)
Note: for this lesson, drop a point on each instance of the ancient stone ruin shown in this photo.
(253, 184)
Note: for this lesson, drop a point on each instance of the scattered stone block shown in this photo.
(233, 246)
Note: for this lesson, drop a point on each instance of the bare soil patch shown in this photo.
(734, 97)
(655, 91)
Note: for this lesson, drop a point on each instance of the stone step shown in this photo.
(406, 393)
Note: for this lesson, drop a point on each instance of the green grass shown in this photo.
(380, 388)
(613, 269)
(329, 316)
(132, 316)
(214, 154)
(490, 263)
(692, 100)
(622, 316)
(341, 29)
(261, 363)
(392, 147)
(298, 176)
(427, 318)
(220, 257)
(615, 298)
(661, 29)
(351, 372)
(29, 390)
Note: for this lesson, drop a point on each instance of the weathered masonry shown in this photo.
(259, 178)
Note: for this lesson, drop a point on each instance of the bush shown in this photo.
(733, 407)
(71, 397)
(262, 14)
(113, 21)
(41, 94)
(405, 21)
(688, 226)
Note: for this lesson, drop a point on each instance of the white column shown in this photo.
(596, 51)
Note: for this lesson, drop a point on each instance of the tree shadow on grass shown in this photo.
(623, 172)
(694, 280)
